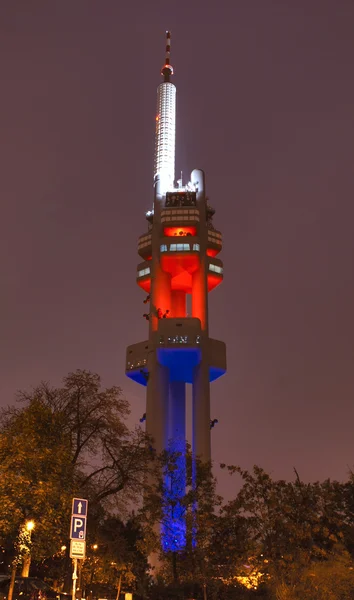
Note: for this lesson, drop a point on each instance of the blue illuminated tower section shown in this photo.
(180, 257)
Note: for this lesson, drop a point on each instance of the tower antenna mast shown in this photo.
(167, 69)
(165, 131)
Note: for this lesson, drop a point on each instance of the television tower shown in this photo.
(179, 252)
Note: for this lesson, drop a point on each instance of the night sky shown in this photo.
(265, 97)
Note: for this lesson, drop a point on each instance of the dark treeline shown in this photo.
(276, 539)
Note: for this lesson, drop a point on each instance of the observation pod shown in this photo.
(179, 266)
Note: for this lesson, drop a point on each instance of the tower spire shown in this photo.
(165, 131)
(167, 69)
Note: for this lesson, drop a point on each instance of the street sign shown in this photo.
(77, 549)
(78, 528)
(79, 507)
(78, 536)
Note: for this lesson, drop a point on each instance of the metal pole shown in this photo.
(74, 578)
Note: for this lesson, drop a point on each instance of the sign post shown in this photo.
(74, 578)
(78, 535)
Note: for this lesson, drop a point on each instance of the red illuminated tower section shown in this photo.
(180, 258)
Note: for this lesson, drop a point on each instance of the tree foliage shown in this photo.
(290, 533)
(287, 540)
(115, 558)
(107, 456)
(35, 474)
(197, 507)
(67, 441)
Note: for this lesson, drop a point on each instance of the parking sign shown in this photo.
(78, 528)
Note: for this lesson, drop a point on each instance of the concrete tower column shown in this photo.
(174, 531)
(201, 386)
(201, 410)
(200, 297)
(160, 293)
(200, 277)
(156, 405)
(177, 413)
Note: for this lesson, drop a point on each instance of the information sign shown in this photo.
(77, 549)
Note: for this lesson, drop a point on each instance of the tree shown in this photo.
(35, 475)
(107, 456)
(63, 442)
(331, 579)
(115, 559)
(287, 526)
(182, 504)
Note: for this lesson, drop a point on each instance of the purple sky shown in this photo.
(265, 96)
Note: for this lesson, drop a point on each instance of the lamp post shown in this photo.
(27, 541)
(23, 552)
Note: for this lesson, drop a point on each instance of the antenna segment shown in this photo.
(167, 69)
(165, 131)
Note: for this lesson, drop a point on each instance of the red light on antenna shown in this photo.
(157, 118)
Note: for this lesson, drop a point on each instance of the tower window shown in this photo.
(215, 268)
(179, 247)
(180, 231)
(144, 272)
(196, 247)
(163, 248)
